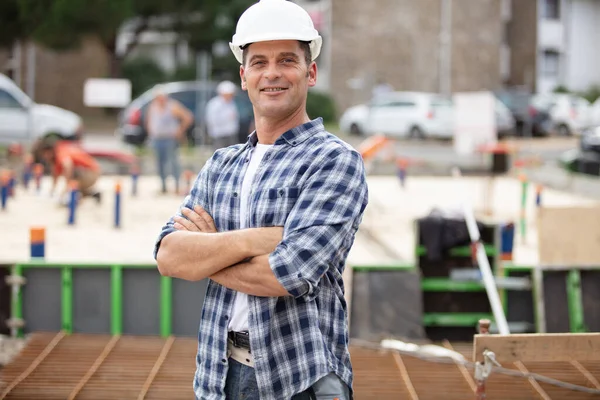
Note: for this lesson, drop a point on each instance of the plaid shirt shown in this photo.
(314, 185)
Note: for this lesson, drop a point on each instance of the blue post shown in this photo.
(134, 179)
(3, 194)
(37, 239)
(538, 195)
(117, 205)
(26, 176)
(72, 203)
(12, 182)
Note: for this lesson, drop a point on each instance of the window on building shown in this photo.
(551, 9)
(551, 63)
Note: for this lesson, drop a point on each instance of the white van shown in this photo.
(23, 121)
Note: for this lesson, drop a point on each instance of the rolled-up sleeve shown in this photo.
(198, 196)
(320, 229)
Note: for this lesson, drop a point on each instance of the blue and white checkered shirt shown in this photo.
(314, 185)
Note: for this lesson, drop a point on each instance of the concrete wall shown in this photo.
(522, 41)
(60, 76)
(398, 41)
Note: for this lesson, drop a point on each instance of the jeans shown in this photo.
(241, 385)
(167, 155)
(241, 382)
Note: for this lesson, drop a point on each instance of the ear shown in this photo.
(312, 74)
(243, 77)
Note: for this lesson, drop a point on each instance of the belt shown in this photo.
(240, 339)
(238, 348)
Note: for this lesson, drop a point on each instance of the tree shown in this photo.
(12, 27)
(61, 24)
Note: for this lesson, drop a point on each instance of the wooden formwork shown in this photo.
(85, 366)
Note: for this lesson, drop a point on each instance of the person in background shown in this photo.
(222, 117)
(68, 160)
(167, 122)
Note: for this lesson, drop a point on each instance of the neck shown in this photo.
(269, 129)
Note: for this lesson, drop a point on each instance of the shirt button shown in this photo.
(235, 194)
(226, 318)
(281, 192)
(224, 361)
(294, 143)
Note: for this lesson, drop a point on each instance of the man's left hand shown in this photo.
(196, 220)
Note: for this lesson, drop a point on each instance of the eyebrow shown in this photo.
(281, 55)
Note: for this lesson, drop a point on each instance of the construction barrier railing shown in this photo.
(116, 294)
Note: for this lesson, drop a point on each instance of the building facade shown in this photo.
(427, 45)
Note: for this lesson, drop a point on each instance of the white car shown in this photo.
(570, 114)
(23, 121)
(401, 114)
(412, 115)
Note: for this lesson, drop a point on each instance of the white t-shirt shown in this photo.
(239, 315)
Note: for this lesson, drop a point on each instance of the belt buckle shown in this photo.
(237, 343)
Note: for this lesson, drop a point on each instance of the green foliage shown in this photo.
(11, 26)
(143, 74)
(561, 89)
(183, 73)
(319, 104)
(592, 94)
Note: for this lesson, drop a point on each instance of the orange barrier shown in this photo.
(373, 145)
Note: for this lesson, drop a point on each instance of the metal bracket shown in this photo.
(15, 323)
(15, 280)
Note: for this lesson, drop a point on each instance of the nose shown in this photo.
(272, 71)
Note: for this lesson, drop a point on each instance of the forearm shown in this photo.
(254, 277)
(196, 255)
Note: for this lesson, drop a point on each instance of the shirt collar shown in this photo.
(296, 135)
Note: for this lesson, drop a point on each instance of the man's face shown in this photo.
(277, 78)
(161, 99)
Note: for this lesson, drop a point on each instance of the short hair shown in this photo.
(305, 46)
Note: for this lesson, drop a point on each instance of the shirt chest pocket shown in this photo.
(273, 205)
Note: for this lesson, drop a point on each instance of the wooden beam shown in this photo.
(404, 374)
(38, 360)
(541, 392)
(586, 373)
(539, 347)
(463, 370)
(159, 362)
(97, 363)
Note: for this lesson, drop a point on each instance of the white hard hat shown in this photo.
(275, 20)
(226, 87)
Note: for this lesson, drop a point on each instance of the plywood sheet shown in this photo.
(569, 236)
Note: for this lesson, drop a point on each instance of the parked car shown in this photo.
(570, 114)
(529, 120)
(590, 139)
(22, 120)
(401, 114)
(413, 115)
(130, 122)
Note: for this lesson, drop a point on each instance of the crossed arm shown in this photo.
(236, 259)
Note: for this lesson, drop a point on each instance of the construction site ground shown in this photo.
(386, 235)
(103, 367)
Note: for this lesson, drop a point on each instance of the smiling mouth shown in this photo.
(273, 90)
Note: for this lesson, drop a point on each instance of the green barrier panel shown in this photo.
(446, 285)
(116, 295)
(67, 299)
(574, 302)
(455, 319)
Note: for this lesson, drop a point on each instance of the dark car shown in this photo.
(530, 119)
(192, 95)
(590, 139)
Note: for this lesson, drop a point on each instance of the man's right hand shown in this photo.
(260, 240)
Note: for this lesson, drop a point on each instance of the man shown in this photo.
(167, 122)
(68, 160)
(222, 116)
(270, 223)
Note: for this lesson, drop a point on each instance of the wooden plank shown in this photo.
(405, 377)
(543, 347)
(541, 392)
(463, 370)
(568, 236)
